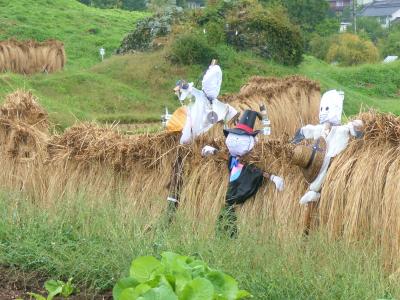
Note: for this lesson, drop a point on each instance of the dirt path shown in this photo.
(16, 284)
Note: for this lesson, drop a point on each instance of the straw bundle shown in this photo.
(29, 57)
(101, 162)
(292, 101)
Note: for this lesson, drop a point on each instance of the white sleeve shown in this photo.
(186, 136)
(312, 131)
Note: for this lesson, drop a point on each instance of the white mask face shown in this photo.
(331, 107)
(239, 145)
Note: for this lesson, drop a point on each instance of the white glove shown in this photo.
(279, 183)
(310, 196)
(208, 151)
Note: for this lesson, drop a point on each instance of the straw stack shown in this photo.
(359, 198)
(29, 57)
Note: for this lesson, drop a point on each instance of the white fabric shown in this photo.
(184, 93)
(239, 145)
(212, 81)
(337, 139)
(310, 196)
(279, 182)
(196, 121)
(331, 107)
(208, 151)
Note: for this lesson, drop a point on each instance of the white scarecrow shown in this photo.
(330, 137)
(194, 119)
(206, 110)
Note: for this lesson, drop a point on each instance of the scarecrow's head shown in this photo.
(331, 107)
(241, 139)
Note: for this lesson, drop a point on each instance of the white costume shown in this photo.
(336, 136)
(197, 111)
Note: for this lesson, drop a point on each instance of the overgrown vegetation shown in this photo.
(94, 240)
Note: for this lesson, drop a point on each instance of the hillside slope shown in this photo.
(137, 87)
(83, 29)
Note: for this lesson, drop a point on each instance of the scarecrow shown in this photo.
(244, 180)
(206, 110)
(195, 118)
(330, 138)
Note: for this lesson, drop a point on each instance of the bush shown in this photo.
(319, 46)
(215, 33)
(370, 28)
(145, 35)
(191, 48)
(391, 44)
(349, 49)
(267, 32)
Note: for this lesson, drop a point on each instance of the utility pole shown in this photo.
(355, 16)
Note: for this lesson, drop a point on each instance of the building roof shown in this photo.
(381, 8)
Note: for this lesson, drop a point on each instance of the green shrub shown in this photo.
(215, 33)
(349, 49)
(267, 32)
(191, 48)
(176, 277)
(319, 46)
(391, 44)
(370, 28)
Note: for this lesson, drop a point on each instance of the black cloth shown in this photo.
(245, 186)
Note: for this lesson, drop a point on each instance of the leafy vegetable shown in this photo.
(55, 288)
(176, 277)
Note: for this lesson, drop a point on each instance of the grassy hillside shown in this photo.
(83, 29)
(135, 88)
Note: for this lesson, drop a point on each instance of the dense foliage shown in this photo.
(148, 31)
(191, 49)
(349, 49)
(176, 277)
(123, 4)
(267, 32)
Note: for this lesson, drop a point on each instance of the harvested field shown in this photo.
(101, 162)
(29, 57)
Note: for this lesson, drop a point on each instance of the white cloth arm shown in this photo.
(312, 131)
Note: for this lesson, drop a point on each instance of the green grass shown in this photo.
(95, 244)
(83, 29)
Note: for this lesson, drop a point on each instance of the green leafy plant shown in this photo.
(56, 288)
(176, 277)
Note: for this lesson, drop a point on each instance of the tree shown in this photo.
(370, 28)
(134, 4)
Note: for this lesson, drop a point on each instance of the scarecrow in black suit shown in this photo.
(244, 180)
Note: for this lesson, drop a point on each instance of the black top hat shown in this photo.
(246, 124)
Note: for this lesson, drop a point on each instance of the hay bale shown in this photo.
(24, 107)
(29, 57)
(291, 101)
(24, 127)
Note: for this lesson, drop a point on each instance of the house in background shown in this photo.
(340, 5)
(386, 11)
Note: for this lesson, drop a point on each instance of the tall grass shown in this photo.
(95, 239)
